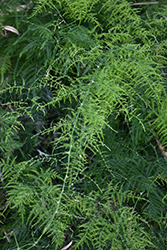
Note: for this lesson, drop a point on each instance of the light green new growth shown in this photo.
(83, 105)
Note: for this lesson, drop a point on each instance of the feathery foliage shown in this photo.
(83, 125)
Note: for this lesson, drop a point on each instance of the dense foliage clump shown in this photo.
(83, 111)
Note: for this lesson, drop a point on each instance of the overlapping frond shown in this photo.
(83, 117)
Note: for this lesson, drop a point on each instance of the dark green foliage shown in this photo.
(83, 113)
